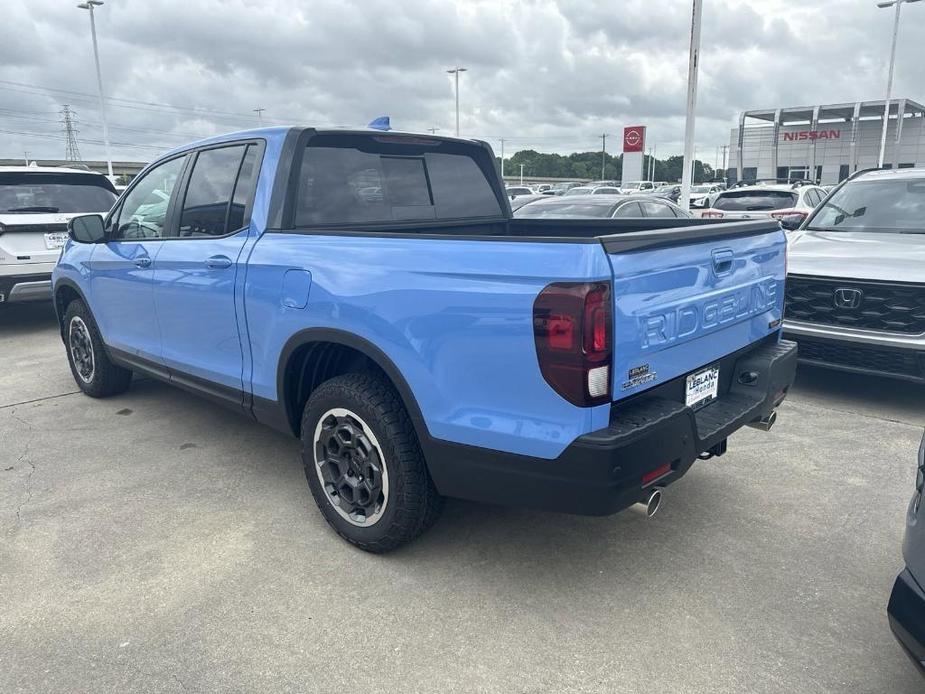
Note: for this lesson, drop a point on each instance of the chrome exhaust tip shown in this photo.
(650, 505)
(765, 423)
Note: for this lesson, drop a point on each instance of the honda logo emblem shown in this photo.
(848, 298)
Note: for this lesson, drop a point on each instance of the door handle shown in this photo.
(143, 261)
(218, 262)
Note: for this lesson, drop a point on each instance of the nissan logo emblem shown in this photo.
(846, 297)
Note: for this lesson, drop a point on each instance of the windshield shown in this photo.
(700, 189)
(755, 200)
(50, 192)
(564, 209)
(890, 206)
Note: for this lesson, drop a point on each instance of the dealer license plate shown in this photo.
(55, 240)
(702, 387)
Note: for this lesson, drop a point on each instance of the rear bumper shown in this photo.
(907, 617)
(602, 472)
(16, 288)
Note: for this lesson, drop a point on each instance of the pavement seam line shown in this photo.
(805, 403)
(47, 397)
(21, 458)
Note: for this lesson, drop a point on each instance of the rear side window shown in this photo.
(359, 179)
(657, 209)
(630, 209)
(755, 200)
(37, 193)
(243, 189)
(208, 196)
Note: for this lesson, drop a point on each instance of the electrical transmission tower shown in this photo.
(69, 120)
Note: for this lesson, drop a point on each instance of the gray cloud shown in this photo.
(543, 74)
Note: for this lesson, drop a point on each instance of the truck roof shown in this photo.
(282, 130)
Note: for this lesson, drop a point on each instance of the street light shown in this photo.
(89, 5)
(693, 64)
(889, 80)
(455, 72)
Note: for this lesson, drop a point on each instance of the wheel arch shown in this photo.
(66, 291)
(302, 342)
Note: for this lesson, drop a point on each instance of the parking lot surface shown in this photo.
(155, 542)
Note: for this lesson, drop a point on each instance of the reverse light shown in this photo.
(572, 330)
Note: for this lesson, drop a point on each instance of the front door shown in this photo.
(196, 273)
(121, 289)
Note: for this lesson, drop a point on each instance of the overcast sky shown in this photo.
(550, 75)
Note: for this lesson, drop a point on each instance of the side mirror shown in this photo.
(87, 228)
(792, 222)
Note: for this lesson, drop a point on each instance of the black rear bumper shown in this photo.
(15, 288)
(603, 472)
(907, 617)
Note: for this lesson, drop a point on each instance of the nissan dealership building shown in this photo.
(825, 143)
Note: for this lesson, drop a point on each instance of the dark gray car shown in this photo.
(855, 297)
(907, 603)
(602, 206)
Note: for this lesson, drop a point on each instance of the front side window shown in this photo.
(208, 196)
(144, 211)
(630, 209)
(874, 206)
(347, 179)
(657, 209)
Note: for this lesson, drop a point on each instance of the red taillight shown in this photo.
(572, 330)
(783, 214)
(711, 214)
(655, 474)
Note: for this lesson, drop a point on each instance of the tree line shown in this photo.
(587, 165)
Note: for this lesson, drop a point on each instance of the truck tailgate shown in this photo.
(685, 297)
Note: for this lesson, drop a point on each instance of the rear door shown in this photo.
(685, 297)
(196, 271)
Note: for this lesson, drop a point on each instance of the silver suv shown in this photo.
(855, 297)
(35, 205)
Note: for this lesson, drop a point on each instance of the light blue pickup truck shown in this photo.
(370, 293)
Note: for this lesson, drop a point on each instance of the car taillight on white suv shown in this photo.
(784, 214)
(572, 329)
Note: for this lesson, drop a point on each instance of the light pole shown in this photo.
(455, 72)
(89, 5)
(693, 65)
(603, 154)
(259, 111)
(889, 80)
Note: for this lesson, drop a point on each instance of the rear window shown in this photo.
(348, 179)
(755, 200)
(23, 192)
(564, 209)
(888, 206)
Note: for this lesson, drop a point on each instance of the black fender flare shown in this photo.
(361, 345)
(70, 284)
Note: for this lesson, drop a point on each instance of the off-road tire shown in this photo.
(412, 504)
(105, 378)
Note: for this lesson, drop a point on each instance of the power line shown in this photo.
(69, 120)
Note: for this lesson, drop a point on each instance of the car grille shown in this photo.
(38, 228)
(854, 355)
(883, 306)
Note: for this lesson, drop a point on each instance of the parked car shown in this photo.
(703, 195)
(427, 344)
(630, 187)
(788, 202)
(36, 203)
(856, 284)
(668, 192)
(515, 191)
(906, 609)
(561, 188)
(605, 190)
(522, 200)
(603, 206)
(578, 190)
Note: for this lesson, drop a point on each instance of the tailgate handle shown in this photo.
(722, 261)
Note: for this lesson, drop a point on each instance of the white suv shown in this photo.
(36, 203)
(790, 202)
